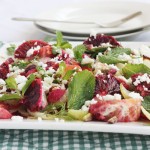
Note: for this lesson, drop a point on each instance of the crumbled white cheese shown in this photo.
(70, 52)
(50, 71)
(137, 60)
(21, 81)
(39, 119)
(145, 50)
(124, 57)
(41, 64)
(3, 89)
(135, 95)
(106, 44)
(87, 60)
(144, 78)
(31, 50)
(117, 96)
(112, 66)
(47, 83)
(85, 108)
(17, 118)
(64, 81)
(2, 82)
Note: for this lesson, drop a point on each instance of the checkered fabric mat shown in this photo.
(71, 140)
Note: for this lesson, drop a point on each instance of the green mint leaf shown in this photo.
(28, 83)
(79, 51)
(80, 89)
(21, 64)
(146, 103)
(11, 83)
(59, 37)
(10, 97)
(110, 59)
(11, 49)
(65, 45)
(130, 69)
(61, 68)
(94, 51)
(68, 74)
(119, 51)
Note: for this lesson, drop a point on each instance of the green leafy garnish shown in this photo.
(80, 89)
(21, 64)
(79, 51)
(68, 74)
(60, 42)
(119, 51)
(28, 83)
(61, 68)
(131, 69)
(111, 57)
(146, 103)
(10, 97)
(11, 49)
(11, 83)
(94, 51)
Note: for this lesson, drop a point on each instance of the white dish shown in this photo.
(101, 11)
(132, 127)
(78, 38)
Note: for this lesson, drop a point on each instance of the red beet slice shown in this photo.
(55, 95)
(4, 68)
(34, 97)
(99, 39)
(21, 51)
(4, 113)
(140, 88)
(107, 84)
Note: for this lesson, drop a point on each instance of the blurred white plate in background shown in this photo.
(100, 11)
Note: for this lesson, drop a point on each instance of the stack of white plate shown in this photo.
(99, 11)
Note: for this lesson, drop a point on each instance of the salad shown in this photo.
(97, 80)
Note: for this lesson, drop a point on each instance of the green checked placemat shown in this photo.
(59, 140)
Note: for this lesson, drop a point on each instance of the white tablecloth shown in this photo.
(17, 31)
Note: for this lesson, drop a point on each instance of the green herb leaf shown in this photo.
(60, 43)
(79, 51)
(61, 68)
(80, 89)
(65, 45)
(10, 97)
(59, 38)
(21, 64)
(131, 69)
(11, 49)
(146, 103)
(119, 51)
(110, 59)
(94, 51)
(11, 83)
(28, 83)
(68, 74)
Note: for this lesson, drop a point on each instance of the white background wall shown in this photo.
(17, 31)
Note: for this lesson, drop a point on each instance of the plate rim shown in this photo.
(123, 1)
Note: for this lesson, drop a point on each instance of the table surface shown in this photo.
(18, 31)
(38, 139)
